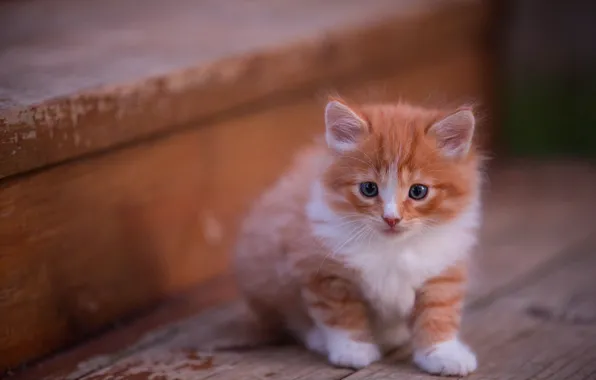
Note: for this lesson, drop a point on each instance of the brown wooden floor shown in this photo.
(531, 315)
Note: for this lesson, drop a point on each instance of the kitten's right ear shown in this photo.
(454, 133)
(344, 128)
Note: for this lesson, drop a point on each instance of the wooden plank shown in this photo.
(152, 74)
(177, 355)
(545, 329)
(98, 239)
(130, 336)
(534, 213)
(530, 256)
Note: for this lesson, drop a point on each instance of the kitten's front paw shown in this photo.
(348, 353)
(345, 352)
(451, 358)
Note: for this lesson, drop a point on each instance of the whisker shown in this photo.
(332, 253)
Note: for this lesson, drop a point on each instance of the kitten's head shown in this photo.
(399, 168)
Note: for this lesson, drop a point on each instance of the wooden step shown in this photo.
(101, 74)
(127, 129)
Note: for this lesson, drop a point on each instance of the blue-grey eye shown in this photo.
(369, 189)
(418, 191)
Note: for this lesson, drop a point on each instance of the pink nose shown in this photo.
(391, 221)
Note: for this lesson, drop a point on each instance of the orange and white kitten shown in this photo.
(362, 247)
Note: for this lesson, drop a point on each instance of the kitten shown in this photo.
(362, 247)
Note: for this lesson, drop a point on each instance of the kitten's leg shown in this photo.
(341, 323)
(435, 325)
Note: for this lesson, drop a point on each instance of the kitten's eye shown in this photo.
(418, 192)
(369, 189)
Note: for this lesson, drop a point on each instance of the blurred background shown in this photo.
(134, 135)
(547, 60)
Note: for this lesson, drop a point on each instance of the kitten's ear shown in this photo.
(454, 133)
(344, 128)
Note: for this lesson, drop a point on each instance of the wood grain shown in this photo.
(87, 243)
(164, 80)
(541, 271)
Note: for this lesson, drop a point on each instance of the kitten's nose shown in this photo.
(392, 222)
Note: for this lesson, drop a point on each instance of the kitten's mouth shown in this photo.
(392, 231)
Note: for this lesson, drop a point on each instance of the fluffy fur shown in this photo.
(355, 277)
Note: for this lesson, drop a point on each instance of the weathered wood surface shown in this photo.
(532, 312)
(99, 74)
(98, 239)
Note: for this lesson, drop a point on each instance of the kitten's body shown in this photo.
(315, 257)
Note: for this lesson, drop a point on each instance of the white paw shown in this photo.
(451, 358)
(354, 355)
(315, 341)
(345, 352)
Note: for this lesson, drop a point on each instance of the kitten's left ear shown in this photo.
(454, 133)
(344, 128)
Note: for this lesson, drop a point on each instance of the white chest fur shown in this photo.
(392, 269)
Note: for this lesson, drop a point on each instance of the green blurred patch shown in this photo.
(551, 117)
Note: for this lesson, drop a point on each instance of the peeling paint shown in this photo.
(103, 361)
(159, 364)
(16, 117)
(29, 135)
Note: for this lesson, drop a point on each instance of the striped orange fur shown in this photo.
(437, 310)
